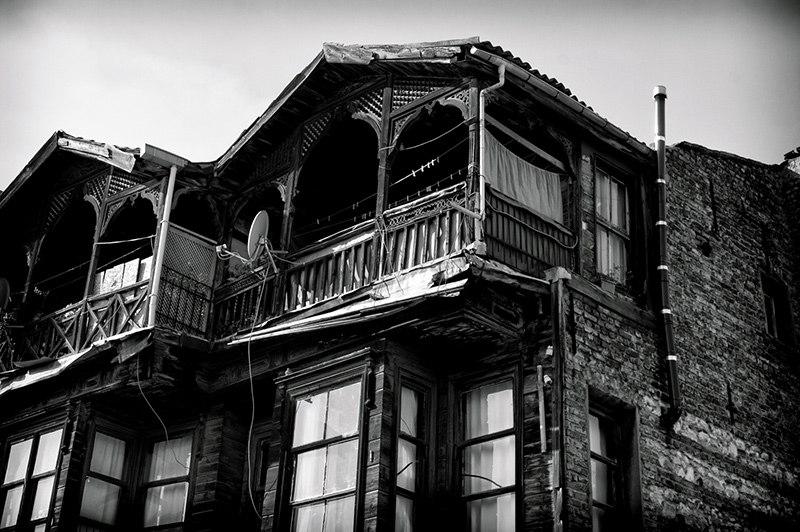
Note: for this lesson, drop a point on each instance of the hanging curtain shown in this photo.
(535, 188)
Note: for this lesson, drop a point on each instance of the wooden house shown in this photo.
(424, 290)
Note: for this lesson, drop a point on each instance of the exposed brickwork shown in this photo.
(731, 461)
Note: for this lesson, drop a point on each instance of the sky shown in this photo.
(189, 76)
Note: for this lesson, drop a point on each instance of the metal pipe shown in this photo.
(674, 412)
(501, 73)
(162, 244)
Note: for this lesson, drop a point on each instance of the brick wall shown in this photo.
(732, 461)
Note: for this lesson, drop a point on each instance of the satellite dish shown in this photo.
(258, 234)
(5, 291)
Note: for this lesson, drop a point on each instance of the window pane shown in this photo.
(343, 410)
(18, 461)
(47, 452)
(309, 474)
(602, 483)
(409, 411)
(488, 409)
(619, 209)
(602, 195)
(339, 515)
(108, 456)
(169, 459)
(309, 421)
(165, 504)
(11, 507)
(309, 518)
(601, 432)
(601, 250)
(489, 465)
(100, 500)
(404, 515)
(406, 465)
(40, 528)
(341, 465)
(492, 514)
(41, 502)
(601, 520)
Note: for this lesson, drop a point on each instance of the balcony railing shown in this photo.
(531, 243)
(77, 326)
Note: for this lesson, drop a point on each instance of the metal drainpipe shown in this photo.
(501, 73)
(674, 412)
(162, 244)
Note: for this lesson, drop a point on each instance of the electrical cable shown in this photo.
(253, 393)
(166, 433)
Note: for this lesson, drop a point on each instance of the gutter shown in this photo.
(674, 411)
(501, 73)
(573, 105)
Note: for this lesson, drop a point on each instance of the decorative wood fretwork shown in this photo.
(79, 170)
(312, 131)
(109, 214)
(397, 126)
(409, 90)
(277, 158)
(94, 190)
(58, 204)
(463, 97)
(370, 103)
(121, 181)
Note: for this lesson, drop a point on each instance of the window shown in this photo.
(29, 479)
(612, 233)
(488, 457)
(615, 491)
(324, 454)
(777, 312)
(161, 496)
(166, 482)
(410, 462)
(605, 471)
(103, 487)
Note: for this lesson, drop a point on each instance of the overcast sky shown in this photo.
(189, 76)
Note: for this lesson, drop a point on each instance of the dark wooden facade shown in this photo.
(415, 348)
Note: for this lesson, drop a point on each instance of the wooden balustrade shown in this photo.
(239, 304)
(531, 243)
(77, 326)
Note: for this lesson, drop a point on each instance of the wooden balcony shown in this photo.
(75, 327)
(524, 240)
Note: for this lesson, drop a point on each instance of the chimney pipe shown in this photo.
(674, 411)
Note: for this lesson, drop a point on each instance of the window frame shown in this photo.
(422, 442)
(459, 389)
(778, 317)
(613, 231)
(626, 473)
(30, 480)
(132, 498)
(304, 383)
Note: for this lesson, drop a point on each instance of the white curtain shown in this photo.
(535, 188)
(108, 455)
(489, 409)
(170, 458)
